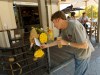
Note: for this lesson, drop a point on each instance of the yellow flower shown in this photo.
(39, 53)
(43, 37)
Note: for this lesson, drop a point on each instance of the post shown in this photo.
(98, 28)
(43, 13)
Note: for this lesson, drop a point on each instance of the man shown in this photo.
(84, 19)
(74, 40)
(73, 15)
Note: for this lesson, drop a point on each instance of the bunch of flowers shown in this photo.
(43, 37)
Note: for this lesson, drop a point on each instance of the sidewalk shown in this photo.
(94, 68)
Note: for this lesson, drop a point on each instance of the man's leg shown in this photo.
(81, 66)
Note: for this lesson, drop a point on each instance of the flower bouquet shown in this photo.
(37, 37)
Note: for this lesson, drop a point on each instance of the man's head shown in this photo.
(84, 13)
(59, 19)
(73, 14)
(58, 14)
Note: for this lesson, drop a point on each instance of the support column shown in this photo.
(45, 12)
(98, 30)
(42, 13)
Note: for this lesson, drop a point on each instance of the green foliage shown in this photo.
(92, 10)
(39, 30)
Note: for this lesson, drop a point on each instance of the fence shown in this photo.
(18, 58)
(19, 61)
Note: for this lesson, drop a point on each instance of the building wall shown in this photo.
(7, 14)
(7, 20)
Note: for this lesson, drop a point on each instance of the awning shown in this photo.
(81, 3)
(70, 8)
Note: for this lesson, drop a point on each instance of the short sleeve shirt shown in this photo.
(83, 19)
(75, 32)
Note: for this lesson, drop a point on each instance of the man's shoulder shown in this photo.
(74, 22)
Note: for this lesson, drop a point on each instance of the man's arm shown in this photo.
(49, 45)
(79, 45)
(52, 44)
(83, 45)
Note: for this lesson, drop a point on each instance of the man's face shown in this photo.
(57, 23)
(84, 14)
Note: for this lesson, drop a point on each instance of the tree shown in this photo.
(93, 9)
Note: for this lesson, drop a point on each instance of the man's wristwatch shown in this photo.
(69, 44)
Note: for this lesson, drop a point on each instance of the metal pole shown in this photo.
(49, 62)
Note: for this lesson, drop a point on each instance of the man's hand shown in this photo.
(44, 46)
(62, 42)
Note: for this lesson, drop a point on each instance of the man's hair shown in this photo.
(73, 14)
(84, 13)
(58, 14)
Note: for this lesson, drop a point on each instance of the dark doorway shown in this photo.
(27, 16)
